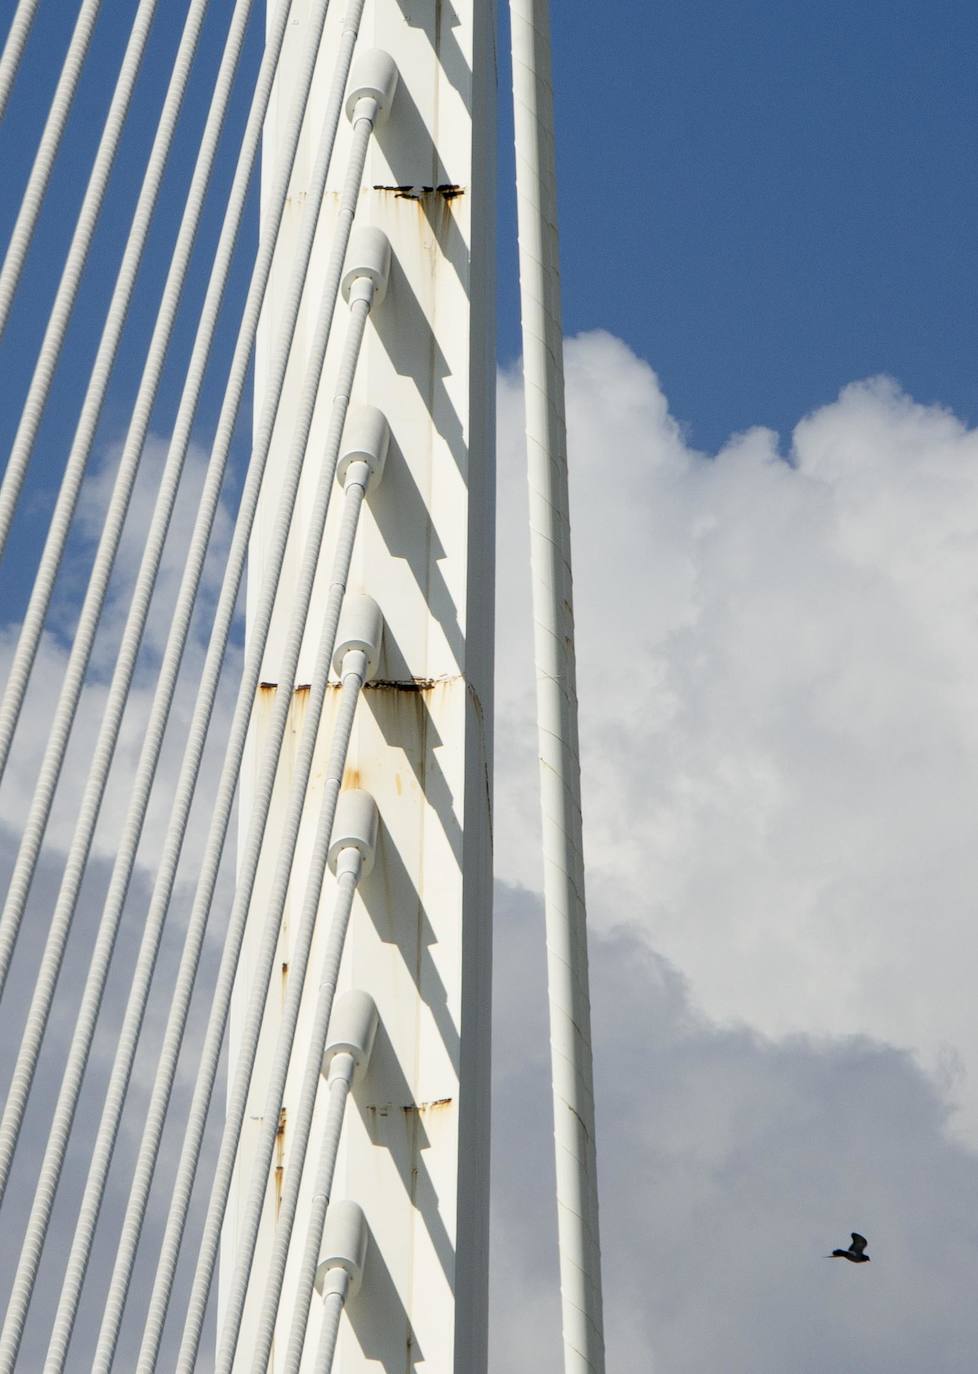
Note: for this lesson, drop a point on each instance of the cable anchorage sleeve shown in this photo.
(167, 1262)
(275, 902)
(352, 683)
(325, 1166)
(262, 1159)
(297, 1153)
(298, 962)
(173, 843)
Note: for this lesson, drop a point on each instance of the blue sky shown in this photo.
(768, 200)
(762, 206)
(18, 141)
(765, 200)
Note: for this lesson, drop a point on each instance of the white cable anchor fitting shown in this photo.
(337, 1058)
(356, 828)
(352, 1031)
(366, 440)
(375, 79)
(339, 1273)
(361, 629)
(368, 255)
(344, 1249)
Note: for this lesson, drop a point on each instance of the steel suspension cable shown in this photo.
(340, 1274)
(57, 1142)
(250, 1221)
(13, 48)
(30, 634)
(361, 296)
(302, 1127)
(38, 392)
(30, 845)
(146, 958)
(64, 300)
(16, 686)
(189, 767)
(334, 1301)
(54, 129)
(354, 672)
(222, 809)
(121, 679)
(145, 772)
(328, 1147)
(217, 1023)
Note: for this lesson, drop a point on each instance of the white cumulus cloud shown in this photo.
(777, 655)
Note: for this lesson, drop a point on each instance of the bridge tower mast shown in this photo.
(415, 1145)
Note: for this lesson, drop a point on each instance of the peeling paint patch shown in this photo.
(279, 1160)
(412, 684)
(421, 1108)
(410, 1108)
(448, 190)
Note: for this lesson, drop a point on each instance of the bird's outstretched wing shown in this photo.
(859, 1242)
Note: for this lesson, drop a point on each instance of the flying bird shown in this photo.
(856, 1253)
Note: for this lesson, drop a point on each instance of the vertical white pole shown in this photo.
(553, 617)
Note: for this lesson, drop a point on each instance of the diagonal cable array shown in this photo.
(27, 217)
(206, 338)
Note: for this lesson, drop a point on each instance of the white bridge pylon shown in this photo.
(341, 1220)
(413, 1154)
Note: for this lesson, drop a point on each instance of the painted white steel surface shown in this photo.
(416, 1142)
(559, 754)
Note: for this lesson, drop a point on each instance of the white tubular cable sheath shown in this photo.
(115, 319)
(247, 1234)
(81, 841)
(13, 48)
(132, 828)
(334, 1300)
(177, 1216)
(122, 674)
(302, 1129)
(339, 1073)
(207, 506)
(47, 151)
(146, 959)
(329, 971)
(206, 691)
(30, 633)
(250, 1220)
(64, 300)
(570, 1038)
(354, 672)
